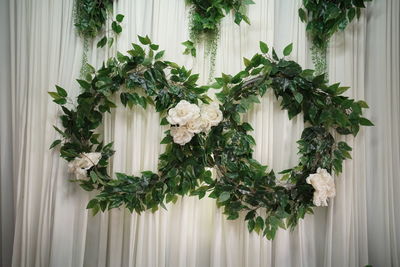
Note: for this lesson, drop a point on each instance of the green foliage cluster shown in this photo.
(243, 185)
(207, 14)
(326, 17)
(91, 16)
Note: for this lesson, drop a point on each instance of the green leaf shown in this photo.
(298, 97)
(95, 210)
(166, 140)
(59, 131)
(302, 15)
(110, 41)
(119, 17)
(259, 224)
(250, 215)
(264, 47)
(159, 55)
(164, 121)
(362, 104)
(61, 91)
(250, 225)
(188, 44)
(92, 203)
(102, 42)
(60, 101)
(365, 122)
(288, 50)
(351, 14)
(54, 95)
(144, 40)
(94, 176)
(224, 197)
(246, 62)
(154, 47)
(84, 84)
(341, 90)
(55, 143)
(247, 2)
(116, 27)
(344, 146)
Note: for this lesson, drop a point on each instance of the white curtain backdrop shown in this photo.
(6, 170)
(52, 226)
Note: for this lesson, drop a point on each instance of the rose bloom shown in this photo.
(183, 112)
(324, 186)
(80, 165)
(212, 113)
(181, 135)
(198, 125)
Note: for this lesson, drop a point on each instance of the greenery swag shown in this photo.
(242, 184)
(324, 18)
(207, 15)
(90, 20)
(205, 20)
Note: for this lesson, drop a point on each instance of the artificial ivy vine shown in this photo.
(91, 16)
(90, 20)
(324, 18)
(205, 20)
(242, 184)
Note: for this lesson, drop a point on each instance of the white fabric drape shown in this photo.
(6, 171)
(383, 150)
(52, 227)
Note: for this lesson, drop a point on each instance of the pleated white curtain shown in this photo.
(382, 87)
(52, 227)
(6, 170)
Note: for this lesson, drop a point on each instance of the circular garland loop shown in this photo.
(242, 184)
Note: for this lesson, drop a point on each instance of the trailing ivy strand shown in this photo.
(91, 16)
(241, 183)
(90, 20)
(206, 15)
(205, 19)
(324, 18)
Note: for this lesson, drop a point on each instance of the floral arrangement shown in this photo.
(190, 119)
(206, 133)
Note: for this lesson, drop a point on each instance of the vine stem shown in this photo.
(319, 59)
(85, 52)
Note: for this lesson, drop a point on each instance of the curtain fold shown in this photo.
(383, 150)
(52, 226)
(6, 152)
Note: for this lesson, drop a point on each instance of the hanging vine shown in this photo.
(324, 18)
(205, 20)
(90, 20)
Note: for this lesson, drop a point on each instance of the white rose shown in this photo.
(80, 165)
(181, 135)
(81, 174)
(92, 158)
(324, 186)
(183, 112)
(197, 125)
(212, 113)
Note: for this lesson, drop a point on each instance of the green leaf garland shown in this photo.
(242, 183)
